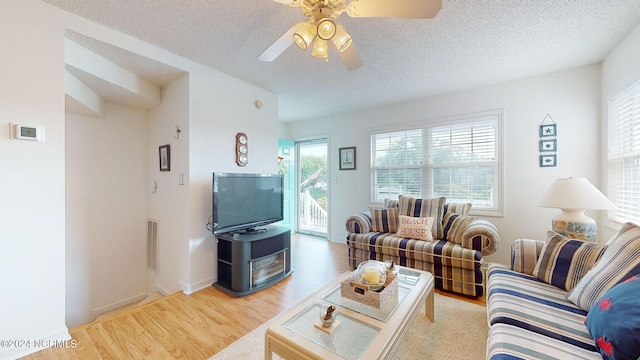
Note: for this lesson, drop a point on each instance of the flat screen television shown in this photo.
(243, 202)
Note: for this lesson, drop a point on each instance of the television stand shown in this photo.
(251, 261)
(249, 231)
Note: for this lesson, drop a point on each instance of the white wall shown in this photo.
(216, 108)
(169, 205)
(620, 69)
(32, 205)
(32, 175)
(210, 108)
(106, 209)
(571, 97)
(220, 108)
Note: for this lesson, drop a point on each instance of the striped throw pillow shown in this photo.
(390, 203)
(384, 220)
(424, 208)
(455, 225)
(620, 261)
(563, 261)
(458, 208)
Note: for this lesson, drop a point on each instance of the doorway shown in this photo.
(312, 187)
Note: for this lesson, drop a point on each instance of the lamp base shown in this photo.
(575, 225)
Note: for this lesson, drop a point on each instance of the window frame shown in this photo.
(426, 168)
(616, 155)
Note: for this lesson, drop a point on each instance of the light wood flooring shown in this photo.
(199, 325)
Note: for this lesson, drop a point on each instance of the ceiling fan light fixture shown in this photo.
(326, 29)
(305, 35)
(320, 48)
(342, 40)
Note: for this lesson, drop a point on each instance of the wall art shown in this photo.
(164, 154)
(548, 144)
(348, 158)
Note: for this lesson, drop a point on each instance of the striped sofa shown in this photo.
(454, 256)
(538, 307)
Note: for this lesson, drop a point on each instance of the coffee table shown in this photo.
(364, 332)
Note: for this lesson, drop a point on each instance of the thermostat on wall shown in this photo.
(27, 132)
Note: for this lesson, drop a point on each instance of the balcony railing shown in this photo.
(313, 216)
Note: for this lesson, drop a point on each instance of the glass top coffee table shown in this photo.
(364, 332)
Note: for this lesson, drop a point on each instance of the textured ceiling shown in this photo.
(470, 43)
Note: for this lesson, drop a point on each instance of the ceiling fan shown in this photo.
(322, 25)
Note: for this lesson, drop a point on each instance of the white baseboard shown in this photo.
(191, 288)
(60, 339)
(162, 290)
(104, 309)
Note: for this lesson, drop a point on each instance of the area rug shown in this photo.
(459, 332)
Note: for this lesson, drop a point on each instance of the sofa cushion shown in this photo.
(526, 302)
(620, 261)
(437, 251)
(384, 220)
(415, 227)
(563, 261)
(507, 342)
(614, 321)
(424, 208)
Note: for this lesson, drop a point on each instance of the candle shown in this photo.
(371, 275)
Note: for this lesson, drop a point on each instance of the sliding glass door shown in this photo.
(312, 187)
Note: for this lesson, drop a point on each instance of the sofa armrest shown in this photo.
(481, 235)
(524, 255)
(359, 223)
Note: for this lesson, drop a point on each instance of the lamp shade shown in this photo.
(305, 35)
(342, 39)
(326, 29)
(574, 194)
(320, 48)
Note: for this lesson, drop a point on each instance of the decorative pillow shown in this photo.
(454, 226)
(620, 261)
(458, 208)
(384, 220)
(424, 208)
(614, 321)
(415, 227)
(390, 203)
(564, 261)
(525, 254)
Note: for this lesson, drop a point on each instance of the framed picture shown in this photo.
(348, 158)
(548, 145)
(547, 160)
(547, 130)
(164, 153)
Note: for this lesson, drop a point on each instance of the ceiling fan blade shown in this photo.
(351, 58)
(294, 3)
(280, 45)
(408, 9)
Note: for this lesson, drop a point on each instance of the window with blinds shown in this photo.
(624, 155)
(396, 164)
(458, 159)
(463, 162)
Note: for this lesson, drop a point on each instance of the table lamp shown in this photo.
(573, 196)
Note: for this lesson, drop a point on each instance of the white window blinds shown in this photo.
(624, 155)
(458, 158)
(396, 164)
(463, 162)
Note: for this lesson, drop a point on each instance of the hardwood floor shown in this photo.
(199, 325)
